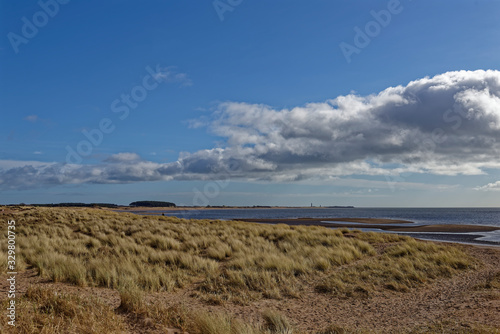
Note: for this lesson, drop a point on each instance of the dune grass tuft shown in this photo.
(45, 311)
(277, 323)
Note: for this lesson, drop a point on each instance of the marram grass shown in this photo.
(220, 261)
(234, 261)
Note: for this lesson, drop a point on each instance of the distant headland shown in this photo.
(171, 205)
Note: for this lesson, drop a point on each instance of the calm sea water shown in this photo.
(466, 216)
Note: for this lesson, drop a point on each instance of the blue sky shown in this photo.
(241, 103)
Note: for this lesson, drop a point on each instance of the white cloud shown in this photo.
(31, 118)
(169, 74)
(123, 157)
(8, 164)
(495, 186)
(445, 125)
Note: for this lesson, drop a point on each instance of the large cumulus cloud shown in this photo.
(448, 124)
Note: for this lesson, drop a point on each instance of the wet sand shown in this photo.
(465, 234)
(377, 223)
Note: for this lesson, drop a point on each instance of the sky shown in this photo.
(236, 102)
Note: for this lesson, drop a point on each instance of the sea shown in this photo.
(425, 216)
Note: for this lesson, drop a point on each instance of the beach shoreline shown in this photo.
(455, 233)
(377, 223)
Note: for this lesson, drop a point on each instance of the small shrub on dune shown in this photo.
(205, 323)
(132, 300)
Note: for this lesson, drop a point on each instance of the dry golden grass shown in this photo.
(222, 261)
(43, 311)
(400, 268)
(234, 261)
(218, 323)
(277, 323)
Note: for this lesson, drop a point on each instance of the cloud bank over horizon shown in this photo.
(445, 125)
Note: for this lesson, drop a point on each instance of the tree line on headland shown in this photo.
(155, 204)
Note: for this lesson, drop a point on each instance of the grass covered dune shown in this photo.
(98, 271)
